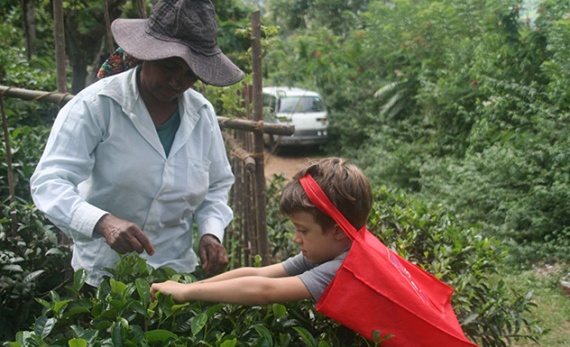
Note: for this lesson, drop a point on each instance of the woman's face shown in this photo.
(166, 79)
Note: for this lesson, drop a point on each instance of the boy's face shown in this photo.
(317, 245)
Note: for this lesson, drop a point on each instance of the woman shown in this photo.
(134, 160)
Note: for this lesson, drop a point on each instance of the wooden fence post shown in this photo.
(258, 139)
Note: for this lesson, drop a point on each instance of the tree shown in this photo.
(461, 102)
(29, 26)
(340, 16)
(85, 30)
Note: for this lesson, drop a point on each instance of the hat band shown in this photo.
(197, 48)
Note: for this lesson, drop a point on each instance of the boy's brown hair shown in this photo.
(344, 184)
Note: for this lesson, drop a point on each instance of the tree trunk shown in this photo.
(99, 59)
(79, 70)
(29, 26)
(60, 45)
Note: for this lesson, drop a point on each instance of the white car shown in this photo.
(299, 107)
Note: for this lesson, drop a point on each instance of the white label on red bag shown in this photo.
(404, 272)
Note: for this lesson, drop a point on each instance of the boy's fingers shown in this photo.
(154, 288)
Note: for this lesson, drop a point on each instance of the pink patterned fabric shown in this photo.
(118, 62)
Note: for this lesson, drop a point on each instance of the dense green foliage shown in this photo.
(31, 262)
(32, 259)
(461, 257)
(121, 312)
(463, 103)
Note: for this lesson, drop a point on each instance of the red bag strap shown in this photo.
(323, 203)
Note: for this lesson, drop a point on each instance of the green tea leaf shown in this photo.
(117, 334)
(143, 288)
(138, 308)
(178, 307)
(77, 343)
(159, 335)
(44, 303)
(16, 268)
(59, 305)
(89, 335)
(279, 310)
(32, 276)
(117, 287)
(229, 343)
(44, 326)
(198, 323)
(306, 336)
(79, 279)
(265, 335)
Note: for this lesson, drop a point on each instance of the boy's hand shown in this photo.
(169, 288)
(212, 254)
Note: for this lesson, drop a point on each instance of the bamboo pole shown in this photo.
(250, 226)
(239, 152)
(225, 122)
(237, 224)
(256, 126)
(258, 138)
(33, 95)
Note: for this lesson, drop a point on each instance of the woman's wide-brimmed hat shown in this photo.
(179, 28)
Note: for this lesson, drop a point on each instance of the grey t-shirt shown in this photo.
(316, 277)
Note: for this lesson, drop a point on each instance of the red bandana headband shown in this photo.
(323, 203)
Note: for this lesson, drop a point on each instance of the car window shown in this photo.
(301, 104)
(269, 102)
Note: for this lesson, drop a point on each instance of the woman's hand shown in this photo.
(123, 236)
(212, 254)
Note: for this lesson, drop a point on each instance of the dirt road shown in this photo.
(289, 160)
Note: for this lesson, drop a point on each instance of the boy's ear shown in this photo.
(339, 233)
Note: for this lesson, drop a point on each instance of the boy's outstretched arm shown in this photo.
(245, 286)
(275, 270)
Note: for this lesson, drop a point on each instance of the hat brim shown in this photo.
(217, 70)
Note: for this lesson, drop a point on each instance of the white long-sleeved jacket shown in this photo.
(104, 156)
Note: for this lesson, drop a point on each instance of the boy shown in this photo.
(323, 244)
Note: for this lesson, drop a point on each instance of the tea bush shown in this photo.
(491, 315)
(31, 262)
(32, 259)
(121, 313)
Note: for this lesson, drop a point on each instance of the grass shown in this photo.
(553, 305)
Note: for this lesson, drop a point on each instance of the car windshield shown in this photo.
(301, 104)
